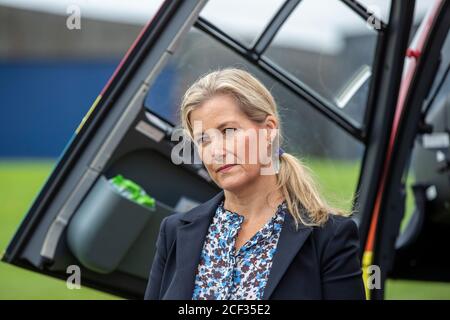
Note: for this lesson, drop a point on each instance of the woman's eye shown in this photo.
(229, 130)
(203, 139)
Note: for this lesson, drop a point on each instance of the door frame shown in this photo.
(407, 124)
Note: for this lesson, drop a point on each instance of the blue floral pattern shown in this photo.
(224, 274)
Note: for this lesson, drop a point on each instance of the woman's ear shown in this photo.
(271, 124)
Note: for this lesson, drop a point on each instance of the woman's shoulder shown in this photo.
(202, 211)
(336, 223)
(171, 221)
(337, 231)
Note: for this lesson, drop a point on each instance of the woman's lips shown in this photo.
(225, 168)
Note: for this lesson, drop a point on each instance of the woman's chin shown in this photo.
(231, 182)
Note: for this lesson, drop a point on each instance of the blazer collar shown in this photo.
(191, 237)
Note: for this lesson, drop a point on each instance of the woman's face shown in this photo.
(233, 148)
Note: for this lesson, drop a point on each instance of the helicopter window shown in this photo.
(246, 23)
(334, 61)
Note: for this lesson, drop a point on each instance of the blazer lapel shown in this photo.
(189, 244)
(289, 243)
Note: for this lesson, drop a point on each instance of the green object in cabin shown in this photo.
(132, 191)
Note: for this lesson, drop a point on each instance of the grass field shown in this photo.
(21, 181)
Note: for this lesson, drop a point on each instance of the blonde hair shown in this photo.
(294, 179)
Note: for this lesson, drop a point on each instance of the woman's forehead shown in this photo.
(216, 107)
(214, 113)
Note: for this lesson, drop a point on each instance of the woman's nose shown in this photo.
(218, 150)
(217, 153)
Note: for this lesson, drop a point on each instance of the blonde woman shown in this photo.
(268, 234)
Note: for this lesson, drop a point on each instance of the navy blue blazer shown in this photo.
(310, 263)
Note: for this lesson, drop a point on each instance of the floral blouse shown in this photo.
(224, 274)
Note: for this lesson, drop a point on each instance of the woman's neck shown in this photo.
(257, 201)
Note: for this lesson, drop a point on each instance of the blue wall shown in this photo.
(42, 102)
